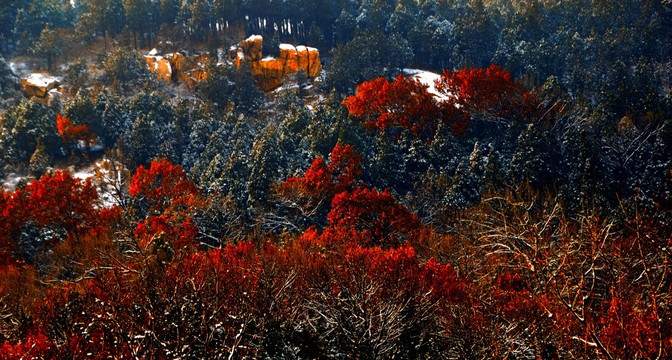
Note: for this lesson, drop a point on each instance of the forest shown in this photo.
(516, 206)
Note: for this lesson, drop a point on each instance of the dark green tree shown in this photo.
(475, 37)
(536, 159)
(82, 111)
(49, 45)
(136, 17)
(125, 68)
(367, 56)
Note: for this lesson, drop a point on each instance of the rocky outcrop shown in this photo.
(178, 67)
(161, 67)
(270, 72)
(40, 86)
(309, 60)
(251, 47)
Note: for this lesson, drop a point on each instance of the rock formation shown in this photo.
(40, 86)
(269, 72)
(161, 66)
(251, 47)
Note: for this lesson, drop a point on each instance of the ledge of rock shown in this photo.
(160, 66)
(270, 72)
(39, 86)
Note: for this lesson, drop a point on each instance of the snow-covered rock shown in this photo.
(39, 85)
(270, 71)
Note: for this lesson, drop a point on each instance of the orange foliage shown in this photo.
(71, 133)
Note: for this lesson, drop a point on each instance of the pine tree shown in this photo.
(39, 161)
(265, 167)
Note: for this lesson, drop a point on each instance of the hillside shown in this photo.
(296, 179)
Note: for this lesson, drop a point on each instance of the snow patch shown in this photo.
(427, 78)
(287, 47)
(254, 37)
(12, 180)
(153, 52)
(41, 80)
(18, 68)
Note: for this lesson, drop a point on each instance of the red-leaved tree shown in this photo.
(401, 104)
(371, 218)
(169, 200)
(311, 194)
(70, 133)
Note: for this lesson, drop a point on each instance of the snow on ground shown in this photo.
(427, 78)
(107, 196)
(19, 69)
(12, 180)
(85, 173)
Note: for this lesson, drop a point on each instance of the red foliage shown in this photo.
(342, 173)
(64, 201)
(490, 94)
(35, 346)
(57, 200)
(173, 197)
(628, 331)
(373, 218)
(163, 184)
(321, 182)
(402, 104)
(70, 133)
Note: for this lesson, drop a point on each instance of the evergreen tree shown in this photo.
(49, 45)
(265, 167)
(475, 37)
(136, 17)
(367, 56)
(82, 111)
(536, 158)
(39, 162)
(9, 82)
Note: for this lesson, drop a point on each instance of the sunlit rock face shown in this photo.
(40, 86)
(270, 72)
(161, 67)
(251, 47)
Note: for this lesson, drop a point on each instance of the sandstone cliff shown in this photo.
(270, 72)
